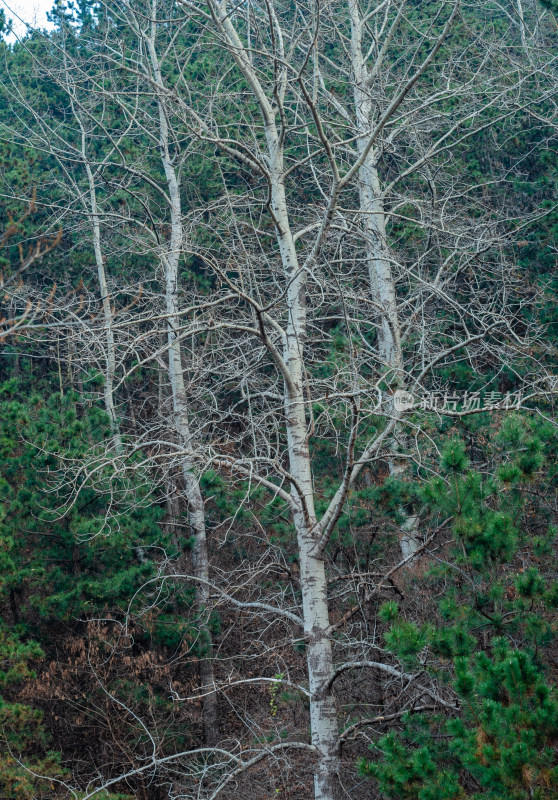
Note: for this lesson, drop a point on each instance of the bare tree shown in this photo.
(288, 281)
(94, 150)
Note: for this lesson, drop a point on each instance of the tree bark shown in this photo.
(110, 358)
(382, 283)
(323, 713)
(196, 512)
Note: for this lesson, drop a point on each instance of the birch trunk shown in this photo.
(323, 713)
(382, 283)
(110, 355)
(372, 210)
(196, 511)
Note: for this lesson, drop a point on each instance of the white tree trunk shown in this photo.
(372, 210)
(382, 283)
(110, 356)
(323, 713)
(196, 511)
